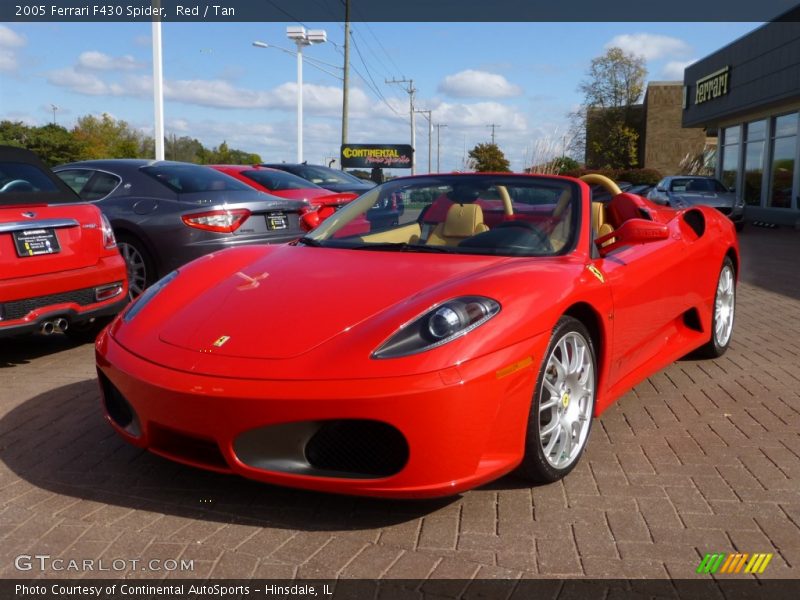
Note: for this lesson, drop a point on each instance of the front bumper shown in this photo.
(462, 427)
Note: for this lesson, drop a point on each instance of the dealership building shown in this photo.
(747, 94)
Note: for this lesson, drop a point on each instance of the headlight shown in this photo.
(147, 296)
(439, 325)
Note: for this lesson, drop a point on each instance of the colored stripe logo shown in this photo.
(734, 563)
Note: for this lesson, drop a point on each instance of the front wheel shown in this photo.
(563, 403)
(141, 273)
(724, 309)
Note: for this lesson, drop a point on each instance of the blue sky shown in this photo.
(218, 87)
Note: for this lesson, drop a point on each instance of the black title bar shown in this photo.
(391, 11)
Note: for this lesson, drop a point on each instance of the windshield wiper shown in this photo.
(400, 247)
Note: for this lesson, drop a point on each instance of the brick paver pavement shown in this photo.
(702, 457)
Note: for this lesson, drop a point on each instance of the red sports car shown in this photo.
(289, 186)
(450, 351)
(60, 269)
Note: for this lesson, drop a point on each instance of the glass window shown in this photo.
(21, 177)
(786, 125)
(730, 165)
(731, 135)
(279, 180)
(784, 150)
(100, 186)
(187, 179)
(757, 130)
(75, 178)
(753, 172)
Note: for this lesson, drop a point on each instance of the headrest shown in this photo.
(465, 193)
(462, 220)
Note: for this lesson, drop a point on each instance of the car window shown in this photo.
(278, 180)
(75, 178)
(100, 186)
(189, 179)
(17, 177)
(697, 184)
(323, 175)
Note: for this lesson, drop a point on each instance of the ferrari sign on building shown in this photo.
(386, 156)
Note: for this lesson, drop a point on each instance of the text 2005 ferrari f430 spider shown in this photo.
(469, 325)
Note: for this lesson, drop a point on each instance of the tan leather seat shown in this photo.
(600, 226)
(462, 221)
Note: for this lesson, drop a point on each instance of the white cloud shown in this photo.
(10, 38)
(651, 46)
(10, 41)
(673, 70)
(98, 61)
(478, 84)
(479, 114)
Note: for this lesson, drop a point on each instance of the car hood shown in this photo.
(293, 299)
(714, 199)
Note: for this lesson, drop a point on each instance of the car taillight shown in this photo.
(109, 241)
(221, 221)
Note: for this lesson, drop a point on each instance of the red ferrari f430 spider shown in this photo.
(476, 329)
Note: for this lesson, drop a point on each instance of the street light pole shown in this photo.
(439, 145)
(302, 38)
(158, 88)
(427, 114)
(410, 90)
(346, 80)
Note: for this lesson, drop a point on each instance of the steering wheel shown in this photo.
(17, 185)
(601, 180)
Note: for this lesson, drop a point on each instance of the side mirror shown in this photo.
(631, 232)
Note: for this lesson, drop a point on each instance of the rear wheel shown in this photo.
(561, 412)
(723, 312)
(141, 272)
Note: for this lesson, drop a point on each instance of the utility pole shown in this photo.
(410, 90)
(346, 80)
(493, 126)
(428, 115)
(439, 146)
(55, 108)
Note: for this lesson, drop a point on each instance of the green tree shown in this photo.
(54, 144)
(489, 158)
(606, 124)
(106, 137)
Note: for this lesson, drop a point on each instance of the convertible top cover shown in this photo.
(25, 179)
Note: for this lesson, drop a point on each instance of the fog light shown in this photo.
(105, 292)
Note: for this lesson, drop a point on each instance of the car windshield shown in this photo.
(188, 179)
(506, 215)
(277, 181)
(696, 185)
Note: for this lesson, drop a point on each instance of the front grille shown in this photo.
(182, 446)
(358, 447)
(17, 309)
(725, 210)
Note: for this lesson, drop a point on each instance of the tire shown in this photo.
(86, 332)
(141, 269)
(563, 400)
(724, 309)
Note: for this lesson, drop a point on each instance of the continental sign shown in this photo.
(721, 562)
(386, 156)
(712, 86)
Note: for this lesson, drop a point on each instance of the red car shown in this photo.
(60, 269)
(449, 352)
(289, 186)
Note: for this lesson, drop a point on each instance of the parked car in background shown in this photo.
(325, 177)
(289, 186)
(683, 191)
(60, 269)
(165, 214)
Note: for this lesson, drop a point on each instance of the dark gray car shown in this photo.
(680, 191)
(165, 214)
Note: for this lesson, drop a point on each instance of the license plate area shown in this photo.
(35, 242)
(277, 221)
